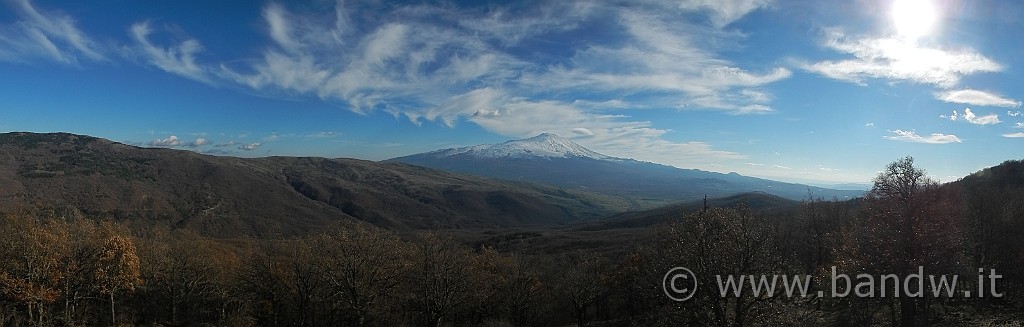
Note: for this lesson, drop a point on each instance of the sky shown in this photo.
(823, 91)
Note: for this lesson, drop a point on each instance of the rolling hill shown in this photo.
(229, 196)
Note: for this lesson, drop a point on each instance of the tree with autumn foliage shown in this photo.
(31, 254)
(117, 271)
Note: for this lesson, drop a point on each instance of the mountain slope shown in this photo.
(545, 145)
(266, 196)
(1008, 175)
(548, 158)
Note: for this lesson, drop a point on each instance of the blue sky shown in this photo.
(791, 90)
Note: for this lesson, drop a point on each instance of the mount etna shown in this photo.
(552, 159)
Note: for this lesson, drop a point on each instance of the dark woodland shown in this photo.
(78, 262)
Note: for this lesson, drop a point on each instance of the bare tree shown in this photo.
(909, 222)
(441, 277)
(723, 242)
(186, 272)
(582, 283)
(363, 266)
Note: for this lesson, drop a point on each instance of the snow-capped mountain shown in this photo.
(545, 145)
(551, 159)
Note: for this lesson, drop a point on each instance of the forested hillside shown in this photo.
(226, 196)
(61, 270)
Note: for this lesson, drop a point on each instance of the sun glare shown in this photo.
(914, 18)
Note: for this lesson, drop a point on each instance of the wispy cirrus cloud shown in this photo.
(450, 64)
(413, 66)
(512, 25)
(1014, 135)
(662, 56)
(47, 35)
(897, 59)
(977, 98)
(176, 59)
(911, 136)
(724, 12)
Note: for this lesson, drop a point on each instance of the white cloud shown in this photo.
(582, 131)
(663, 57)
(510, 26)
(970, 117)
(982, 120)
(324, 135)
(724, 12)
(869, 124)
(901, 60)
(977, 98)
(179, 59)
(280, 29)
(398, 66)
(409, 61)
(274, 136)
(44, 34)
(752, 109)
(1013, 113)
(781, 167)
(1014, 135)
(446, 64)
(911, 136)
(615, 104)
(1019, 125)
(754, 164)
(249, 147)
(611, 134)
(952, 117)
(170, 141)
(198, 143)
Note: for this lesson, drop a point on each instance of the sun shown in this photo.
(914, 18)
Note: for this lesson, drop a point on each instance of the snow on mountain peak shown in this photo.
(546, 145)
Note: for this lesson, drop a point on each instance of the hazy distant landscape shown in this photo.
(511, 163)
